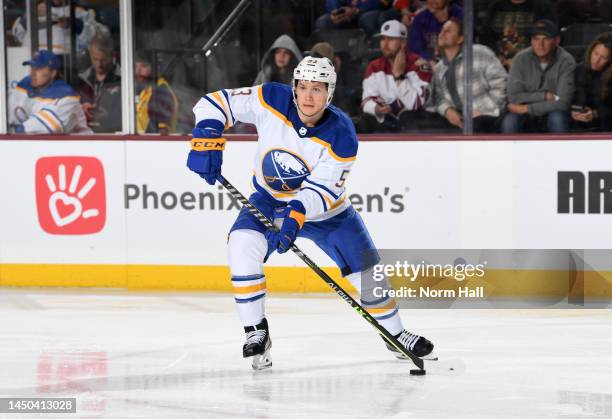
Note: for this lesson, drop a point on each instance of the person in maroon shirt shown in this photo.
(396, 86)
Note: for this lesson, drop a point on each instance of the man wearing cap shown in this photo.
(395, 85)
(540, 84)
(508, 22)
(43, 104)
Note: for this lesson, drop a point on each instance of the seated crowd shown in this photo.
(407, 75)
(43, 102)
(523, 79)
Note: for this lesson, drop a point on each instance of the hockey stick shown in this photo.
(333, 284)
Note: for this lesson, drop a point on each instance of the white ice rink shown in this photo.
(129, 355)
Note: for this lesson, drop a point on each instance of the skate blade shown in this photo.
(429, 357)
(262, 361)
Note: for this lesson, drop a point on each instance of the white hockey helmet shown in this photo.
(316, 69)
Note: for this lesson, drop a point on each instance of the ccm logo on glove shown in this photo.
(207, 144)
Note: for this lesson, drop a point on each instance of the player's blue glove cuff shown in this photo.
(292, 217)
(206, 157)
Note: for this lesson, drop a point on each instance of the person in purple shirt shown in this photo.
(427, 24)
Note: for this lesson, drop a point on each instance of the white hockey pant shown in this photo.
(247, 250)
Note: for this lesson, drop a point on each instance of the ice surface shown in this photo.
(144, 355)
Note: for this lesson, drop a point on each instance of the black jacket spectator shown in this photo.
(100, 87)
(593, 87)
(105, 95)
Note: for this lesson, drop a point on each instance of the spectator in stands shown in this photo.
(591, 106)
(342, 98)
(325, 49)
(396, 86)
(507, 24)
(84, 26)
(488, 81)
(279, 61)
(365, 14)
(100, 87)
(427, 24)
(540, 84)
(407, 9)
(44, 104)
(156, 104)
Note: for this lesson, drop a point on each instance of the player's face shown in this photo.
(543, 45)
(101, 62)
(390, 46)
(311, 97)
(600, 56)
(41, 76)
(449, 35)
(282, 57)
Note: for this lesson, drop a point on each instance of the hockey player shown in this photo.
(305, 152)
(43, 104)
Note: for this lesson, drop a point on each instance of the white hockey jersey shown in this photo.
(293, 161)
(408, 94)
(55, 109)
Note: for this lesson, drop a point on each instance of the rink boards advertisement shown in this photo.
(129, 214)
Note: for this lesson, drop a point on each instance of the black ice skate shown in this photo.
(416, 344)
(257, 345)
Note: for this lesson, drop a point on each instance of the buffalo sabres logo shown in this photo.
(302, 131)
(283, 171)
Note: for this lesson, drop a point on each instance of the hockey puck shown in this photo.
(417, 372)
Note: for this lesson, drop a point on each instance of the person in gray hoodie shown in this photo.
(541, 84)
(279, 61)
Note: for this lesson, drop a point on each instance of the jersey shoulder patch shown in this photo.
(25, 84)
(342, 138)
(58, 90)
(277, 96)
